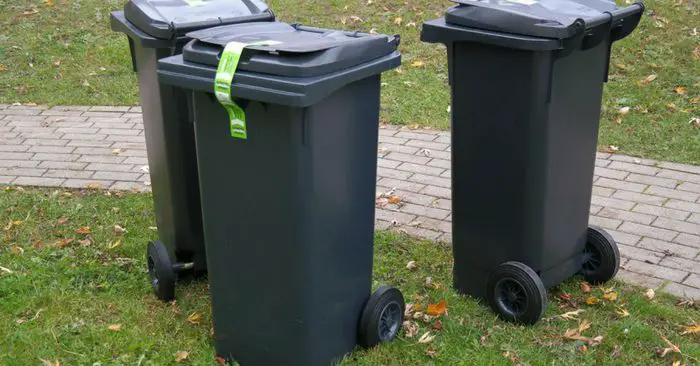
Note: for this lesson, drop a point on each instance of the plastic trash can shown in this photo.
(289, 211)
(156, 29)
(527, 79)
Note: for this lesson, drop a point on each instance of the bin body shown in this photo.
(156, 30)
(288, 212)
(525, 112)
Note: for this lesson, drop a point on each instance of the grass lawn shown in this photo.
(62, 52)
(63, 286)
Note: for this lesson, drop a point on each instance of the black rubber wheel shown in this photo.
(601, 257)
(160, 271)
(382, 317)
(517, 293)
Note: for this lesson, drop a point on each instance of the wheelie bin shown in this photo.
(157, 29)
(527, 79)
(287, 182)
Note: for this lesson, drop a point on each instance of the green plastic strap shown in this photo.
(222, 85)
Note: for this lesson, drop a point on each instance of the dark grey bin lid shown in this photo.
(302, 51)
(168, 19)
(540, 18)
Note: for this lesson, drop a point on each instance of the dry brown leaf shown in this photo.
(411, 265)
(438, 309)
(418, 63)
(610, 296)
(585, 324)
(398, 20)
(694, 100)
(394, 200)
(49, 363)
(622, 312)
(94, 185)
(62, 220)
(194, 318)
(12, 224)
(437, 325)
(119, 230)
(571, 315)
(62, 243)
(410, 328)
(649, 294)
(426, 338)
(220, 360)
(3, 67)
(616, 351)
(649, 78)
(115, 327)
(691, 329)
(680, 90)
(5, 270)
(592, 300)
(428, 282)
(624, 110)
(585, 287)
(621, 66)
(181, 356)
(673, 347)
(83, 230)
(112, 245)
(17, 250)
(671, 106)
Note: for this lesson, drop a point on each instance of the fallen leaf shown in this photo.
(616, 351)
(85, 242)
(62, 220)
(112, 245)
(571, 315)
(410, 328)
(694, 100)
(432, 353)
(592, 300)
(410, 24)
(695, 122)
(649, 294)
(83, 230)
(618, 121)
(624, 110)
(585, 324)
(57, 63)
(621, 66)
(116, 151)
(86, 83)
(411, 265)
(3, 67)
(426, 338)
(438, 309)
(610, 296)
(62, 243)
(5, 270)
(220, 360)
(394, 200)
(649, 78)
(585, 287)
(582, 348)
(181, 356)
(428, 281)
(398, 20)
(418, 64)
(685, 302)
(119, 230)
(622, 312)
(671, 106)
(12, 224)
(194, 318)
(437, 325)
(691, 329)
(94, 186)
(680, 90)
(49, 363)
(17, 250)
(115, 327)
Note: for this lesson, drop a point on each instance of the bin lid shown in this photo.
(299, 51)
(539, 18)
(167, 19)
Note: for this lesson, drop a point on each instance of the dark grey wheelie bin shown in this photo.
(527, 79)
(289, 211)
(157, 29)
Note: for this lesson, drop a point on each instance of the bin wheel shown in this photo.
(601, 257)
(160, 271)
(517, 293)
(382, 317)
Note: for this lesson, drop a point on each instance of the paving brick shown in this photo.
(428, 145)
(437, 191)
(57, 121)
(16, 141)
(443, 139)
(83, 183)
(415, 198)
(16, 155)
(434, 213)
(634, 168)
(661, 211)
(416, 136)
(113, 119)
(401, 184)
(671, 193)
(106, 175)
(21, 112)
(646, 179)
(633, 159)
(639, 254)
(690, 187)
(693, 281)
(433, 224)
(4, 179)
(688, 239)
(136, 160)
(680, 167)
(84, 136)
(612, 202)
(69, 165)
(123, 138)
(114, 125)
(620, 184)
(430, 180)
(29, 172)
(130, 186)
(679, 176)
(604, 222)
(391, 164)
(694, 218)
(62, 173)
(39, 107)
(444, 155)
(387, 132)
(410, 158)
(440, 163)
(108, 108)
(392, 140)
(111, 167)
(420, 168)
(94, 151)
(136, 109)
(639, 279)
(102, 114)
(55, 157)
(639, 197)
(117, 131)
(602, 163)
(391, 216)
(393, 173)
(666, 247)
(624, 215)
(443, 203)
(656, 271)
(611, 173)
(38, 181)
(12, 148)
(602, 191)
(683, 264)
(682, 226)
(18, 163)
(130, 145)
(398, 148)
(81, 108)
(381, 225)
(74, 130)
(652, 232)
(112, 159)
(81, 143)
(420, 232)
(682, 291)
(594, 209)
(55, 112)
(52, 149)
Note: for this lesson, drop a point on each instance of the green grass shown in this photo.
(94, 66)
(58, 303)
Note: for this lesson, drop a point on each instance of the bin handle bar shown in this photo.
(614, 15)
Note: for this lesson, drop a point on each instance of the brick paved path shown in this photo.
(651, 208)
